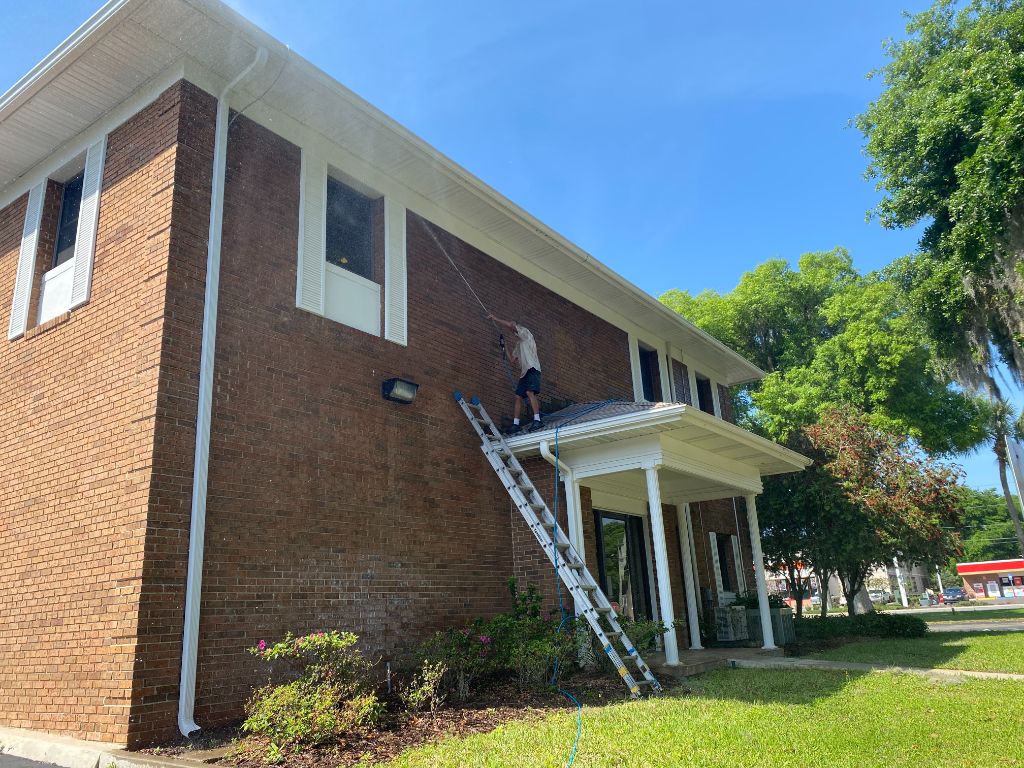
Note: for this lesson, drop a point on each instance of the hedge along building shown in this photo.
(196, 452)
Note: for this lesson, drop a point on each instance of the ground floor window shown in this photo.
(622, 563)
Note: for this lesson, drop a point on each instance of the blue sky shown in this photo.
(682, 144)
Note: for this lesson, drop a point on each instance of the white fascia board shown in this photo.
(609, 501)
(610, 426)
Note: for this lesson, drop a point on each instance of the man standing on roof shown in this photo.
(523, 353)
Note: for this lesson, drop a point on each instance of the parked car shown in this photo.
(954, 595)
(880, 596)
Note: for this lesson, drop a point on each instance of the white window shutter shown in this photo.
(309, 291)
(395, 313)
(88, 216)
(716, 565)
(26, 261)
(741, 575)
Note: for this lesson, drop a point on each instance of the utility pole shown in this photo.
(939, 577)
(899, 582)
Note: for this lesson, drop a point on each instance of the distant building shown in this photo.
(993, 578)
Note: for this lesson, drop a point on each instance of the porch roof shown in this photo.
(704, 456)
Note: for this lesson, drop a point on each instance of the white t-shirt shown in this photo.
(526, 350)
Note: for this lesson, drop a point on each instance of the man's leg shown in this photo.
(517, 409)
(534, 403)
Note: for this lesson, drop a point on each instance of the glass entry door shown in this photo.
(622, 563)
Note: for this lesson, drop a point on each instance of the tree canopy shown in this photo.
(946, 145)
(828, 336)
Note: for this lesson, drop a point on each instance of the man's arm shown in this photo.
(508, 325)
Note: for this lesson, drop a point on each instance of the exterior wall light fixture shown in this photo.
(399, 390)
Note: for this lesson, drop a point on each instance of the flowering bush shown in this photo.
(522, 644)
(329, 693)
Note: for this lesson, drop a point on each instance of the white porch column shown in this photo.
(762, 584)
(688, 580)
(661, 563)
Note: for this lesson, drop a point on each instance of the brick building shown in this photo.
(201, 306)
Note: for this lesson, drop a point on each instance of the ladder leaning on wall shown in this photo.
(591, 602)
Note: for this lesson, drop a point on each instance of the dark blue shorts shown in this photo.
(529, 383)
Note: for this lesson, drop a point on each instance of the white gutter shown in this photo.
(197, 530)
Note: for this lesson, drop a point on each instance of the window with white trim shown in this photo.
(705, 394)
(66, 282)
(347, 230)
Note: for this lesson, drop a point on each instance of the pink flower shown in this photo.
(485, 639)
(262, 645)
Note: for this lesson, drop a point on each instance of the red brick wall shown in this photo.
(718, 516)
(328, 506)
(77, 401)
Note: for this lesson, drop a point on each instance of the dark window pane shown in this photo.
(723, 561)
(67, 226)
(704, 399)
(349, 229)
(622, 563)
(649, 373)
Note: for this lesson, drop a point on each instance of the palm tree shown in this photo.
(1000, 426)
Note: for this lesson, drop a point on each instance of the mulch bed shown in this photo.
(500, 704)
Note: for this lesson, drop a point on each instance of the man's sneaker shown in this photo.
(515, 429)
(537, 424)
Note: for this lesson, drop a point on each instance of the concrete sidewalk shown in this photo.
(853, 666)
(66, 752)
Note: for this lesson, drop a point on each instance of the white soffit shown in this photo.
(129, 43)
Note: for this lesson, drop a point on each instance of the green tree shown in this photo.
(1001, 425)
(828, 336)
(986, 532)
(946, 144)
(898, 500)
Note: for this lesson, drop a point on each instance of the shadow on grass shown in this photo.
(938, 649)
(772, 686)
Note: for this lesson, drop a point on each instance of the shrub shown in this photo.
(301, 713)
(870, 624)
(424, 690)
(329, 693)
(521, 644)
(751, 600)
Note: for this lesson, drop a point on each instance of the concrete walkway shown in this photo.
(65, 752)
(991, 625)
(853, 666)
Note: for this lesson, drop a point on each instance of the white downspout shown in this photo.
(197, 529)
(572, 498)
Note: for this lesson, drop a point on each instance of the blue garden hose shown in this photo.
(558, 582)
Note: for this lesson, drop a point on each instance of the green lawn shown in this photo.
(1007, 614)
(982, 651)
(770, 718)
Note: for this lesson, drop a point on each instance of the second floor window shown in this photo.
(705, 399)
(349, 242)
(67, 225)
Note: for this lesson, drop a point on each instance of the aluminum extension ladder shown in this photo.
(591, 602)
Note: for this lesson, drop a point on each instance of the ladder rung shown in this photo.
(589, 588)
(613, 634)
(574, 566)
(644, 682)
(536, 507)
(562, 545)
